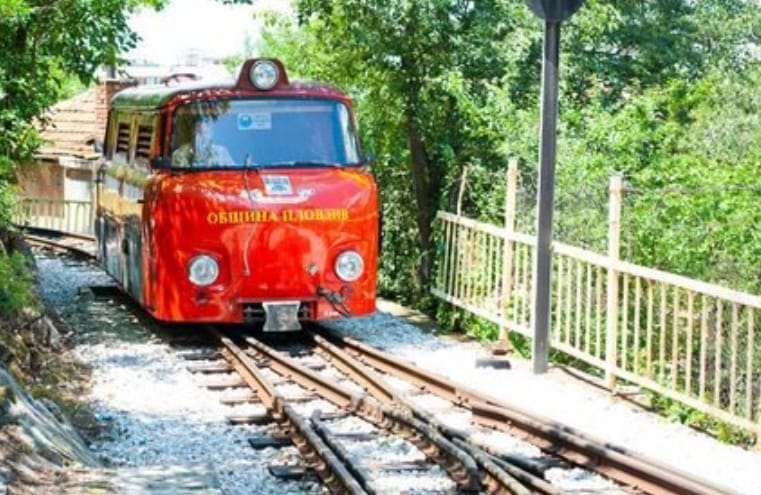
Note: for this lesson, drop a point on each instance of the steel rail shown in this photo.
(497, 479)
(457, 463)
(54, 233)
(54, 238)
(616, 463)
(322, 458)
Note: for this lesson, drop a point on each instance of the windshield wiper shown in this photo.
(248, 163)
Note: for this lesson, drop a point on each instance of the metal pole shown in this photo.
(543, 266)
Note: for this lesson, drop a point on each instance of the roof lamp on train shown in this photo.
(264, 74)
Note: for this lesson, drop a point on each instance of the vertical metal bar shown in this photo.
(478, 286)
(441, 266)
(675, 340)
(578, 292)
(717, 354)
(733, 365)
(520, 275)
(491, 281)
(568, 298)
(543, 269)
(559, 300)
(485, 269)
(451, 249)
(460, 261)
(588, 309)
(452, 256)
(649, 333)
(599, 312)
(440, 272)
(528, 264)
(488, 277)
(749, 366)
(637, 321)
(531, 281)
(703, 345)
(475, 268)
(498, 279)
(464, 291)
(516, 282)
(625, 323)
(688, 363)
(449, 281)
(662, 334)
(468, 272)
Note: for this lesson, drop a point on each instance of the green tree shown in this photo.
(414, 67)
(443, 84)
(42, 44)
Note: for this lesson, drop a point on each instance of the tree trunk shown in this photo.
(423, 202)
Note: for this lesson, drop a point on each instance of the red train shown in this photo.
(246, 201)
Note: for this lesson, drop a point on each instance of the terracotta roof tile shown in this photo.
(71, 127)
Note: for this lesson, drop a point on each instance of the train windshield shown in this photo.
(263, 133)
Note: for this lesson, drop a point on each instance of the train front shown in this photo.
(265, 212)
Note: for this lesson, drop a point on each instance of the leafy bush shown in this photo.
(16, 284)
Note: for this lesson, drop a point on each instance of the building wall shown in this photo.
(78, 184)
(41, 179)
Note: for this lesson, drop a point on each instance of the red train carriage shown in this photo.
(239, 202)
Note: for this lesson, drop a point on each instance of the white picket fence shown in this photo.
(68, 216)
(688, 340)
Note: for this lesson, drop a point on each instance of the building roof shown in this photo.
(71, 128)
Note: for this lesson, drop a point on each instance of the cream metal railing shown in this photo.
(691, 341)
(73, 217)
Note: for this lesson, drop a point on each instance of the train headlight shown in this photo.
(264, 74)
(203, 270)
(349, 266)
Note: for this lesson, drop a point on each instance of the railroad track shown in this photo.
(82, 246)
(357, 380)
(472, 466)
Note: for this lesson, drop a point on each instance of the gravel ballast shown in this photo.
(155, 414)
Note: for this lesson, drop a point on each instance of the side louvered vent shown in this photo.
(122, 138)
(144, 138)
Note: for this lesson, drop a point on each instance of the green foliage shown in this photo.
(441, 86)
(690, 154)
(413, 68)
(16, 281)
(7, 203)
(43, 44)
(48, 49)
(680, 413)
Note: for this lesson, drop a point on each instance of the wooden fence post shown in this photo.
(507, 262)
(614, 246)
